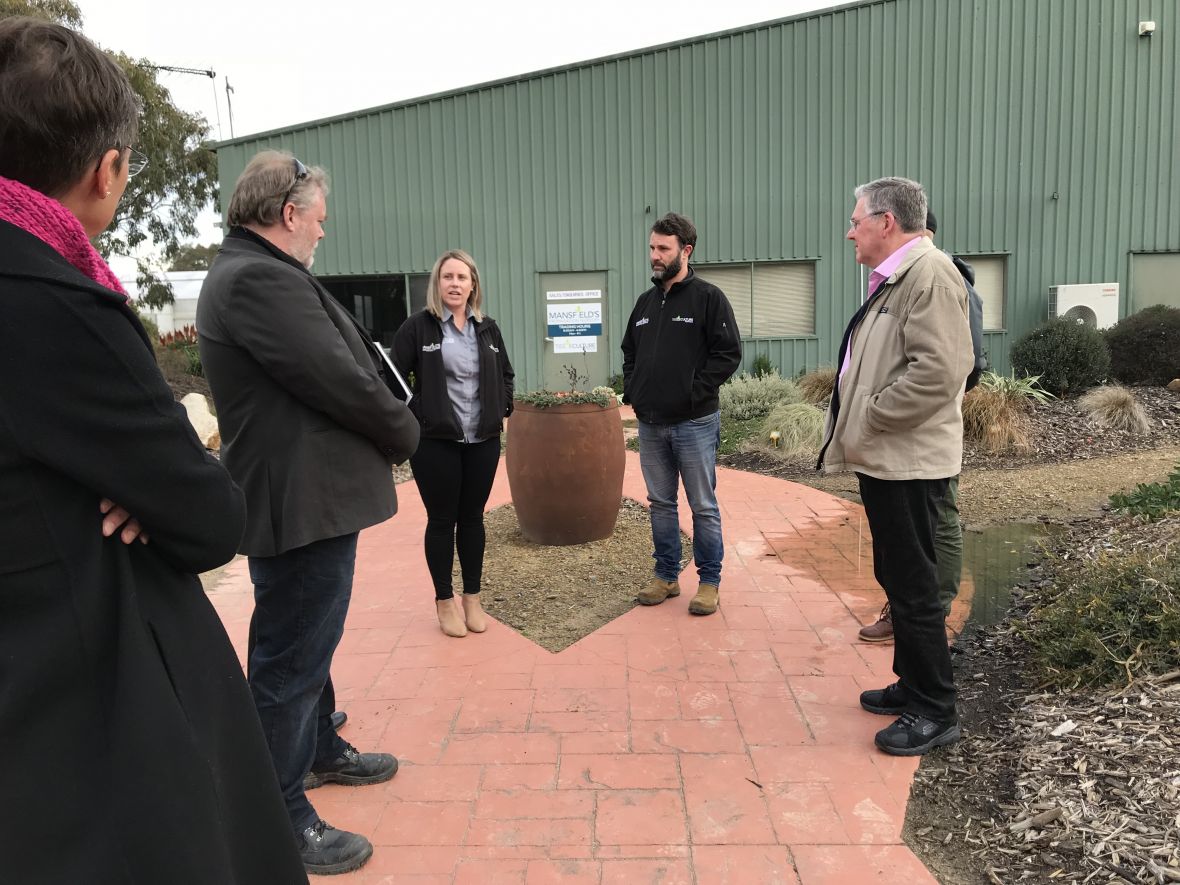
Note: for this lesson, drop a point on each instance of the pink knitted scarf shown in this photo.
(55, 225)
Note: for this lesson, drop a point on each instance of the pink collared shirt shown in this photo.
(877, 276)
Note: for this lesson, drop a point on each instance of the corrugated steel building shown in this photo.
(1046, 132)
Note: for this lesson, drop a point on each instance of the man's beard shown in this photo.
(671, 270)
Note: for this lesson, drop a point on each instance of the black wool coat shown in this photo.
(309, 428)
(130, 749)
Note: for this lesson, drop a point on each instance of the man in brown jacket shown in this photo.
(895, 419)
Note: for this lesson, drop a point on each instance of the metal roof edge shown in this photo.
(544, 72)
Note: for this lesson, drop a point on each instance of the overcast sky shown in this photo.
(297, 60)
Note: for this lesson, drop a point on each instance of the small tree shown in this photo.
(193, 256)
(161, 204)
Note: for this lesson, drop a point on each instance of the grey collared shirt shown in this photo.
(460, 355)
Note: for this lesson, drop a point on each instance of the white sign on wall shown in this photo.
(576, 344)
(573, 320)
(573, 295)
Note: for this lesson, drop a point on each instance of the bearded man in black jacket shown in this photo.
(681, 344)
(309, 430)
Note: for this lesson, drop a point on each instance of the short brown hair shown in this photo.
(434, 302)
(678, 226)
(268, 182)
(63, 104)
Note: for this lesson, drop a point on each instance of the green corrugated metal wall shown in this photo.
(1046, 130)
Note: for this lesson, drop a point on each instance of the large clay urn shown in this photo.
(565, 470)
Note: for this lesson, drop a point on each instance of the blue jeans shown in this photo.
(687, 451)
(300, 602)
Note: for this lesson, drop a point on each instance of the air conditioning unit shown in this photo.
(1094, 304)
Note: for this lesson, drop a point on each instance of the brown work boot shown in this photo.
(657, 591)
(450, 618)
(477, 622)
(881, 631)
(706, 600)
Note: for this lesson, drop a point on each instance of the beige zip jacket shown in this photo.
(899, 414)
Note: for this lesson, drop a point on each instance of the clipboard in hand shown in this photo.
(406, 394)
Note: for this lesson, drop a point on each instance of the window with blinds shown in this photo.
(770, 299)
(991, 284)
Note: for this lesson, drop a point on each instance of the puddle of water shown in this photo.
(994, 560)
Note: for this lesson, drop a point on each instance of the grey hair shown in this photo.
(905, 199)
(268, 183)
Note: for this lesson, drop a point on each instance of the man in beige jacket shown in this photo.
(895, 419)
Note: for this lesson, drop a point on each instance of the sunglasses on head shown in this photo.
(300, 174)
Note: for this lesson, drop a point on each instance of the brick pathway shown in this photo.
(664, 748)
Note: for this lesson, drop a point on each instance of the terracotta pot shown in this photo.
(565, 470)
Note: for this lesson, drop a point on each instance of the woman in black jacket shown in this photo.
(130, 752)
(462, 385)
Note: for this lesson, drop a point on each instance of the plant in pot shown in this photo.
(565, 463)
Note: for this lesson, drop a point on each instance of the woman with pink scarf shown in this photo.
(130, 751)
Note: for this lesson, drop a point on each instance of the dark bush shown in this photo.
(1145, 347)
(762, 366)
(1069, 357)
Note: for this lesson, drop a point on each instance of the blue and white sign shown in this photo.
(569, 320)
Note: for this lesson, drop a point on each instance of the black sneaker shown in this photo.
(352, 769)
(326, 851)
(913, 735)
(887, 701)
(338, 719)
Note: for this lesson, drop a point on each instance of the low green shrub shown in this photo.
(747, 396)
(1115, 408)
(544, 399)
(1068, 357)
(1107, 620)
(793, 429)
(1026, 388)
(817, 385)
(762, 366)
(615, 382)
(149, 326)
(1145, 347)
(1151, 501)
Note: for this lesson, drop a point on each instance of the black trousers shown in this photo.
(455, 480)
(903, 516)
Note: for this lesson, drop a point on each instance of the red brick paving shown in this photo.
(662, 748)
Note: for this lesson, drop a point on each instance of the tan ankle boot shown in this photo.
(473, 612)
(706, 601)
(657, 591)
(449, 617)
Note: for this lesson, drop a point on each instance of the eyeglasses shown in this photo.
(136, 162)
(854, 223)
(300, 174)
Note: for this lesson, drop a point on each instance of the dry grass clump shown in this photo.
(996, 421)
(1114, 407)
(799, 428)
(816, 386)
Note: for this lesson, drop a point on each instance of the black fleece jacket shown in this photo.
(679, 348)
(417, 348)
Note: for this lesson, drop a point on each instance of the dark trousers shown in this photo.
(903, 516)
(300, 602)
(455, 480)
